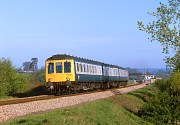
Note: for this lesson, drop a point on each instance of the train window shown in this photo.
(51, 68)
(59, 67)
(116, 72)
(120, 72)
(78, 67)
(84, 70)
(92, 69)
(89, 68)
(67, 67)
(100, 70)
(81, 68)
(95, 69)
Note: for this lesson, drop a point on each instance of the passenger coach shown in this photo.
(69, 73)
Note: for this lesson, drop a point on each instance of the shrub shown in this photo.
(40, 75)
(156, 110)
(10, 81)
(162, 85)
(21, 83)
(164, 108)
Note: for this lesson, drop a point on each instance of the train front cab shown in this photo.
(59, 73)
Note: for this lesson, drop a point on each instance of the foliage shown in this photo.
(156, 110)
(10, 81)
(164, 108)
(166, 29)
(174, 93)
(33, 65)
(26, 66)
(40, 75)
(174, 61)
(162, 85)
(175, 81)
(21, 84)
(30, 66)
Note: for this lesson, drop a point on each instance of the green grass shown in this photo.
(145, 93)
(116, 110)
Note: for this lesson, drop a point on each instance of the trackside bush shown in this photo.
(157, 109)
(162, 85)
(164, 107)
(10, 81)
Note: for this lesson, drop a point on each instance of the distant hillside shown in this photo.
(152, 70)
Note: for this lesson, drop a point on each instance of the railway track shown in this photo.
(46, 97)
(12, 109)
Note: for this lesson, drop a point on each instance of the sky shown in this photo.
(102, 30)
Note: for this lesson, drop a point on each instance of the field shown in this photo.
(116, 110)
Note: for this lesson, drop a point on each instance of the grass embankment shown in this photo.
(116, 110)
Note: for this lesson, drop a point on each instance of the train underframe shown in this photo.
(74, 87)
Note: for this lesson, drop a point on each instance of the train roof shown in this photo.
(64, 56)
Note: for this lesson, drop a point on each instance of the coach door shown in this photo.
(50, 70)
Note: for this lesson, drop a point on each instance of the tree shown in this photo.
(174, 61)
(30, 66)
(164, 108)
(33, 65)
(26, 66)
(166, 30)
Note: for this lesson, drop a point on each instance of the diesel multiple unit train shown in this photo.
(65, 73)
